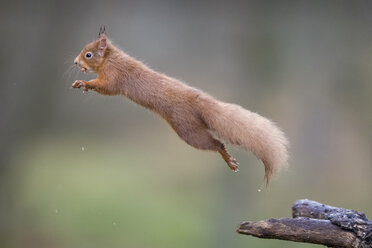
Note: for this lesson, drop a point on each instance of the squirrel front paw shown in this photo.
(79, 84)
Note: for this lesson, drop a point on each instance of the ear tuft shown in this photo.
(102, 31)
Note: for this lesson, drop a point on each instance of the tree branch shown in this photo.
(299, 230)
(315, 223)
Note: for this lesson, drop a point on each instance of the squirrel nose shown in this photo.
(76, 61)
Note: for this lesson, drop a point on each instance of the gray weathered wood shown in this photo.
(315, 223)
(346, 219)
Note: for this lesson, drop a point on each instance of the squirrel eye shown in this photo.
(88, 55)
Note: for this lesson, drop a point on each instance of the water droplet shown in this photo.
(57, 211)
(260, 188)
(83, 148)
(114, 223)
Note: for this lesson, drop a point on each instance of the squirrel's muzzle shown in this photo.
(76, 62)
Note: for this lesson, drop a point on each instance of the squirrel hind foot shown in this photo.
(233, 164)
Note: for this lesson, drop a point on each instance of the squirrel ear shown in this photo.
(102, 45)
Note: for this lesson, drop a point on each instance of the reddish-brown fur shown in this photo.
(198, 118)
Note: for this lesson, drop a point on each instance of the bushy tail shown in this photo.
(249, 130)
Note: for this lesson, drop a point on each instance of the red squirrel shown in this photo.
(198, 118)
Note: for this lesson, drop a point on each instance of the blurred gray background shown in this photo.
(85, 170)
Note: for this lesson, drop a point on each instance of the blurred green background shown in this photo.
(84, 170)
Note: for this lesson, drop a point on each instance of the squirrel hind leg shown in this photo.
(231, 162)
(201, 139)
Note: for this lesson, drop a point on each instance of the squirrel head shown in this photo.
(93, 55)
